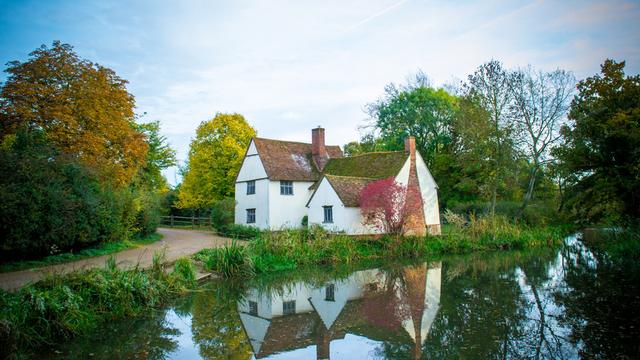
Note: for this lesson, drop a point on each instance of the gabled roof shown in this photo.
(348, 188)
(289, 160)
(374, 165)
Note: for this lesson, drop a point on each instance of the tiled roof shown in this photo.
(376, 165)
(288, 160)
(348, 188)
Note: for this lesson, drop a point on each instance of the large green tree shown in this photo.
(215, 157)
(601, 149)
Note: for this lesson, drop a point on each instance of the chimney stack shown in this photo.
(410, 146)
(318, 149)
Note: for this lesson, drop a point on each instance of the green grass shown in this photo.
(61, 307)
(102, 249)
(292, 249)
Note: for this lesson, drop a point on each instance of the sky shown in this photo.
(289, 66)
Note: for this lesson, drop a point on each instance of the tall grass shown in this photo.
(291, 249)
(63, 306)
(229, 260)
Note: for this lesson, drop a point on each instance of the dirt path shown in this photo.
(178, 243)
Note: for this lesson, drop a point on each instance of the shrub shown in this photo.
(239, 231)
(50, 204)
(222, 213)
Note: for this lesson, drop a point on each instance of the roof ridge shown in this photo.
(287, 141)
(373, 152)
(349, 177)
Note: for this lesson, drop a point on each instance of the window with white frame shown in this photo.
(328, 214)
(251, 216)
(286, 187)
(251, 187)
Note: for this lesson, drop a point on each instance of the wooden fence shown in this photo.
(186, 221)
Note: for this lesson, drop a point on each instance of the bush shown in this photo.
(538, 213)
(222, 213)
(239, 231)
(50, 204)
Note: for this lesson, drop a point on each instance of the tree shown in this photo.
(215, 157)
(83, 109)
(388, 206)
(159, 156)
(601, 148)
(416, 110)
(488, 87)
(540, 103)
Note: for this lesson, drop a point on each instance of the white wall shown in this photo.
(252, 169)
(345, 219)
(258, 201)
(287, 211)
(429, 192)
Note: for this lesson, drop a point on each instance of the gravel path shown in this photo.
(178, 243)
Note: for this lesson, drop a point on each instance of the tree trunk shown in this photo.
(529, 194)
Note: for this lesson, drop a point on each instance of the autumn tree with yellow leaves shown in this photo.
(215, 157)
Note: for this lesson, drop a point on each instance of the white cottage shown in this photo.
(280, 182)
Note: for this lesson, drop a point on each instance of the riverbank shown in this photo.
(288, 250)
(61, 307)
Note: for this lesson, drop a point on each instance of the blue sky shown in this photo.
(290, 66)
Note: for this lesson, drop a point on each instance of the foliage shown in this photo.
(388, 206)
(415, 110)
(237, 231)
(292, 249)
(215, 157)
(64, 306)
(601, 150)
(222, 213)
(83, 109)
(52, 206)
(229, 260)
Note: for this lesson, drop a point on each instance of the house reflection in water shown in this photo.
(379, 305)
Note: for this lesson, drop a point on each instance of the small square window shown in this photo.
(328, 214)
(251, 216)
(330, 292)
(253, 308)
(286, 187)
(251, 187)
(289, 307)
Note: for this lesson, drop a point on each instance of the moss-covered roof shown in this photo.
(374, 165)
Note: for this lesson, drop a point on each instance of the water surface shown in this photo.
(562, 304)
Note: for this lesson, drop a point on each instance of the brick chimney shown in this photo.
(318, 149)
(410, 147)
(415, 223)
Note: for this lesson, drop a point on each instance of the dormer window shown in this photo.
(286, 187)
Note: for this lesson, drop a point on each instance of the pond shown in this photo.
(560, 303)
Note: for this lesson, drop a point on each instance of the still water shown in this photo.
(564, 303)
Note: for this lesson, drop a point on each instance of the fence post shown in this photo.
(193, 221)
(172, 220)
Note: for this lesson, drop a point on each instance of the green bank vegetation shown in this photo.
(290, 249)
(61, 307)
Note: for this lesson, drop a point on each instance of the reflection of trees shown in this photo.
(602, 303)
(144, 338)
(216, 325)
